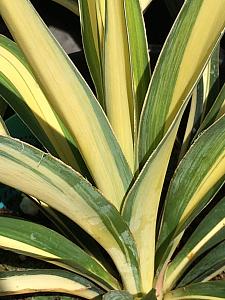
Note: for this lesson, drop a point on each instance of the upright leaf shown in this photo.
(92, 18)
(115, 57)
(208, 233)
(141, 204)
(138, 49)
(196, 180)
(117, 78)
(184, 55)
(71, 98)
(20, 89)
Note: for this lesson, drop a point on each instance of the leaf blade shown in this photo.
(118, 89)
(62, 188)
(210, 290)
(208, 233)
(140, 211)
(92, 18)
(24, 95)
(40, 242)
(207, 165)
(176, 73)
(30, 281)
(66, 86)
(139, 57)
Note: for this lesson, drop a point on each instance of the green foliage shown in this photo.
(149, 221)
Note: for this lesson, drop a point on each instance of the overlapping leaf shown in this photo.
(71, 98)
(198, 177)
(49, 180)
(141, 204)
(208, 234)
(217, 110)
(31, 281)
(92, 18)
(21, 91)
(209, 291)
(207, 268)
(40, 242)
(184, 55)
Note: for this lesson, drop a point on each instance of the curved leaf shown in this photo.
(210, 290)
(49, 180)
(184, 55)
(141, 204)
(208, 233)
(33, 281)
(212, 264)
(71, 98)
(40, 242)
(196, 180)
(23, 94)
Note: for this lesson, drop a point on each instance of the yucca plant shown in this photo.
(143, 228)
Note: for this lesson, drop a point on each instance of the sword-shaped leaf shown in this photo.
(203, 98)
(92, 18)
(43, 243)
(216, 110)
(208, 290)
(208, 267)
(113, 57)
(209, 233)
(184, 55)
(31, 281)
(196, 180)
(49, 180)
(141, 205)
(119, 97)
(71, 98)
(22, 92)
(138, 50)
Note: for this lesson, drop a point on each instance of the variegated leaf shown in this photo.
(71, 98)
(49, 180)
